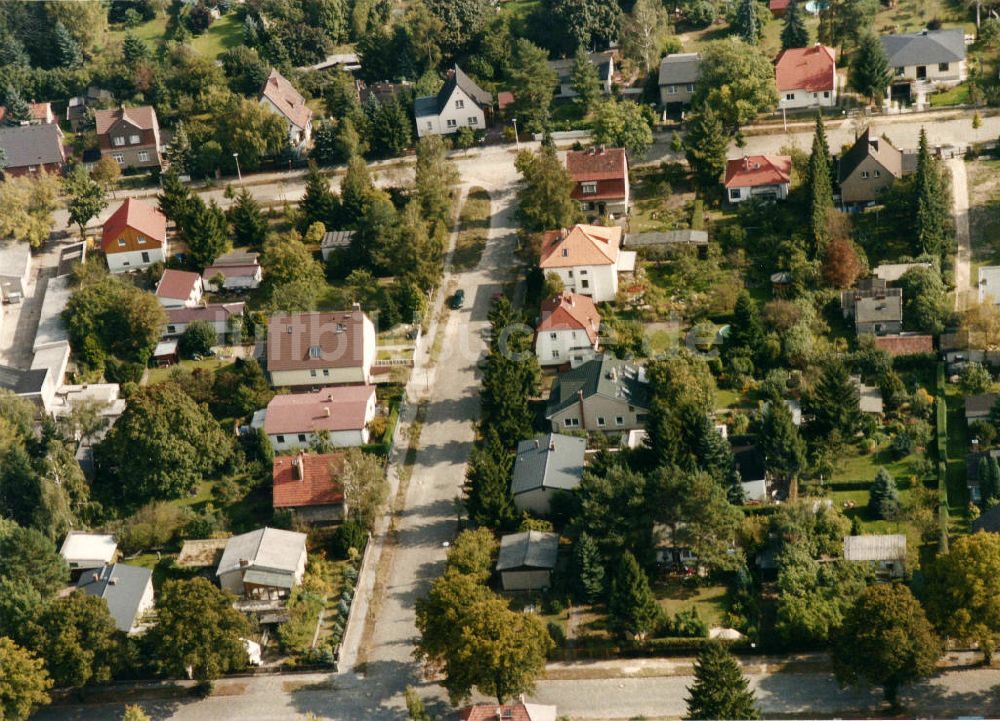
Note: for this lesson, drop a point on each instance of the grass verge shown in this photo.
(473, 229)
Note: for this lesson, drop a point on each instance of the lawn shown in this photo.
(223, 34)
(659, 201)
(159, 375)
(473, 229)
(984, 211)
(854, 466)
(677, 595)
(149, 32)
(958, 95)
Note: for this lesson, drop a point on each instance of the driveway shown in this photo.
(963, 256)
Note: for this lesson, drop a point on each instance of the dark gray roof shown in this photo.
(337, 239)
(749, 459)
(564, 66)
(669, 237)
(879, 310)
(531, 549)
(981, 403)
(22, 382)
(924, 48)
(989, 521)
(434, 104)
(26, 145)
(605, 376)
(887, 155)
(680, 69)
(549, 461)
(121, 586)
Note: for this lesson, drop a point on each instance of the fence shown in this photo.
(352, 611)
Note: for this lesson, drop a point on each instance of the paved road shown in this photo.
(963, 256)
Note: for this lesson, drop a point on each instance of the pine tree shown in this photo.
(783, 447)
(747, 22)
(632, 607)
(869, 72)
(67, 50)
(589, 568)
(319, 204)
(355, 189)
(249, 224)
(720, 689)
(820, 187)
(706, 147)
(203, 229)
(586, 84)
(883, 499)
(86, 197)
(175, 198)
(133, 51)
(18, 109)
(990, 488)
(487, 485)
(834, 404)
(746, 331)
(794, 33)
(932, 203)
(180, 152)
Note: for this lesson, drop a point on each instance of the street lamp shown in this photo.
(236, 157)
(516, 139)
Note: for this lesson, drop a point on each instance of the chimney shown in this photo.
(95, 577)
(536, 444)
(746, 162)
(552, 444)
(356, 307)
(298, 467)
(326, 411)
(499, 713)
(244, 563)
(113, 581)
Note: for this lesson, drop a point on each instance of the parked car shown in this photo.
(458, 300)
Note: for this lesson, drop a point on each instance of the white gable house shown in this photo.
(459, 104)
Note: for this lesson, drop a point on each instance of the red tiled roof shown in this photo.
(897, 345)
(311, 483)
(597, 164)
(812, 69)
(337, 408)
(176, 284)
(606, 190)
(136, 215)
(507, 712)
(287, 99)
(752, 171)
(142, 117)
(568, 311)
(505, 99)
(338, 336)
(582, 245)
(777, 5)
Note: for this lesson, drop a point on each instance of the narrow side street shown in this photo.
(963, 256)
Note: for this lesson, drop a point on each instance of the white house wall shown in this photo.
(573, 346)
(470, 115)
(132, 259)
(602, 281)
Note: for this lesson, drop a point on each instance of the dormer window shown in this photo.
(588, 188)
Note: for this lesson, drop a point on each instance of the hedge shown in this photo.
(677, 646)
(941, 407)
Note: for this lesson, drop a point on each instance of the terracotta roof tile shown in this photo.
(755, 170)
(142, 117)
(137, 215)
(177, 284)
(812, 69)
(905, 344)
(297, 341)
(508, 712)
(287, 99)
(582, 245)
(568, 311)
(337, 408)
(312, 483)
(597, 164)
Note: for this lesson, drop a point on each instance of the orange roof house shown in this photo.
(568, 330)
(281, 97)
(308, 485)
(759, 176)
(341, 413)
(806, 77)
(135, 236)
(587, 258)
(600, 177)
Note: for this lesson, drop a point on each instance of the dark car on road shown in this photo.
(458, 300)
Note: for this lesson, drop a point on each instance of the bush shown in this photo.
(688, 624)
(975, 378)
(350, 534)
(118, 371)
(197, 339)
(557, 634)
(701, 13)
(902, 445)
(153, 526)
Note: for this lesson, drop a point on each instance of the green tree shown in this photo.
(473, 553)
(415, 709)
(389, 128)
(198, 633)
(632, 607)
(319, 204)
(586, 83)
(77, 638)
(66, 51)
(720, 690)
(622, 124)
(462, 22)
(746, 22)
(588, 568)
(736, 81)
(706, 146)
(134, 50)
(440, 614)
(583, 23)
(26, 207)
(135, 713)
(175, 198)
(544, 201)
(932, 202)
(783, 447)
(180, 153)
(18, 109)
(533, 83)
(356, 189)
(869, 72)
(644, 33)
(203, 227)
(819, 187)
(794, 33)
(365, 486)
(86, 198)
(29, 558)
(926, 306)
(834, 404)
(886, 641)
(197, 339)
(162, 446)
(616, 511)
(24, 683)
(845, 23)
(435, 178)
(286, 259)
(745, 332)
(248, 223)
(487, 484)
(883, 498)
(975, 378)
(963, 591)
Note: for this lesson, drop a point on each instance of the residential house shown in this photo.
(679, 73)
(306, 484)
(30, 149)
(988, 522)
(886, 554)
(600, 180)
(749, 459)
(526, 560)
(128, 591)
(314, 349)
(989, 284)
(297, 420)
(545, 467)
(335, 241)
(459, 104)
(875, 308)
(265, 564)
(134, 237)
(588, 259)
(568, 330)
(131, 136)
(871, 165)
(226, 318)
(978, 407)
(778, 8)
(15, 269)
(239, 270)
(76, 107)
(904, 344)
(605, 394)
(86, 551)
(891, 272)
(508, 712)
(280, 97)
(924, 61)
(179, 289)
(603, 62)
(806, 77)
(766, 177)
(38, 114)
(40, 382)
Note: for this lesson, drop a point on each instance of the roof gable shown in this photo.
(924, 48)
(879, 149)
(530, 549)
(141, 117)
(550, 461)
(138, 216)
(569, 311)
(337, 408)
(680, 69)
(27, 145)
(581, 245)
(597, 163)
(177, 284)
(286, 99)
(812, 69)
(298, 341)
(307, 479)
(456, 80)
(753, 171)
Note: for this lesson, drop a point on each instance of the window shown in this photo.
(571, 423)
(569, 273)
(119, 158)
(302, 438)
(899, 71)
(641, 417)
(573, 335)
(689, 87)
(734, 193)
(584, 283)
(671, 90)
(601, 422)
(943, 67)
(619, 420)
(171, 329)
(281, 439)
(312, 373)
(459, 104)
(121, 242)
(430, 125)
(826, 93)
(145, 257)
(864, 174)
(326, 372)
(473, 120)
(553, 336)
(143, 156)
(583, 272)
(789, 96)
(815, 96)
(134, 139)
(118, 141)
(555, 354)
(588, 188)
(876, 173)
(32, 168)
(452, 123)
